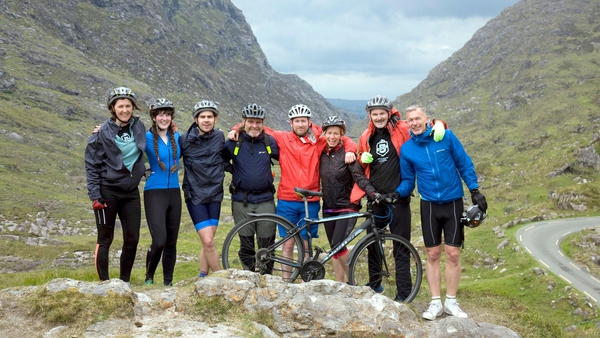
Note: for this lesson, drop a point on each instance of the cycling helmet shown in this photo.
(334, 121)
(379, 101)
(253, 111)
(205, 105)
(121, 93)
(161, 103)
(299, 110)
(473, 216)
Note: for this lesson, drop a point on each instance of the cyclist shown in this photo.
(441, 203)
(252, 186)
(299, 155)
(379, 150)
(114, 168)
(202, 149)
(162, 196)
(337, 179)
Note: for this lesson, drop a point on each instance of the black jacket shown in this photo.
(204, 165)
(104, 160)
(338, 178)
(252, 177)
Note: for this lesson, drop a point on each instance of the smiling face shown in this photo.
(333, 135)
(206, 121)
(163, 119)
(379, 117)
(300, 125)
(253, 126)
(417, 121)
(123, 109)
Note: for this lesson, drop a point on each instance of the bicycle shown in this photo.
(372, 261)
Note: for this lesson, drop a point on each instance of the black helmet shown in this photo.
(253, 111)
(205, 105)
(379, 101)
(121, 93)
(299, 110)
(161, 103)
(473, 217)
(334, 121)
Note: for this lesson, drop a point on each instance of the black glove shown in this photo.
(99, 204)
(479, 199)
(392, 197)
(377, 197)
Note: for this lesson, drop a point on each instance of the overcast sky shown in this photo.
(355, 49)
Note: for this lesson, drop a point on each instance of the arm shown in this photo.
(463, 162)
(407, 185)
(361, 179)
(351, 149)
(93, 164)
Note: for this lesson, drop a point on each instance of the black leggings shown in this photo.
(337, 231)
(125, 204)
(163, 213)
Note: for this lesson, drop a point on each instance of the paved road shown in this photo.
(543, 239)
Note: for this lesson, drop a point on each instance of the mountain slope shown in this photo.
(523, 97)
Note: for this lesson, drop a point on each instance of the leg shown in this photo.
(433, 270)
(291, 211)
(173, 221)
(155, 208)
(105, 223)
(401, 225)
(209, 251)
(247, 250)
(130, 214)
(452, 273)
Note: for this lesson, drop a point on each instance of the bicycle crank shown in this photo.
(312, 270)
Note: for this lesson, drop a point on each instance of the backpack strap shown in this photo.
(236, 149)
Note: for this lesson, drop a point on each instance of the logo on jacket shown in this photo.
(382, 148)
(126, 137)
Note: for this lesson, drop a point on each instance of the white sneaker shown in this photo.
(434, 310)
(451, 308)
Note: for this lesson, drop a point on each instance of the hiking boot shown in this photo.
(399, 299)
(434, 310)
(378, 289)
(451, 308)
(149, 281)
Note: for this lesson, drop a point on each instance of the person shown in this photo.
(114, 168)
(337, 180)
(202, 150)
(379, 151)
(162, 196)
(299, 156)
(252, 188)
(438, 167)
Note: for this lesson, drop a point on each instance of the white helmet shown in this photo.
(299, 110)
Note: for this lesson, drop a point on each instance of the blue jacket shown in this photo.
(252, 176)
(438, 166)
(162, 179)
(204, 165)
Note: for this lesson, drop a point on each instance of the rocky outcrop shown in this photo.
(296, 310)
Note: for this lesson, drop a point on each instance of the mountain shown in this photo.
(354, 106)
(523, 97)
(59, 59)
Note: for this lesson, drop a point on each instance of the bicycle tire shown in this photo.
(396, 285)
(232, 257)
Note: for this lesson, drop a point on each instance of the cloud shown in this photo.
(351, 49)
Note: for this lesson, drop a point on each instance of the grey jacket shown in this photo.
(104, 160)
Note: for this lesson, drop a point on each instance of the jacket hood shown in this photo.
(423, 137)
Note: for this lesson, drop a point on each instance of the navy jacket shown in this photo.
(104, 160)
(252, 176)
(203, 164)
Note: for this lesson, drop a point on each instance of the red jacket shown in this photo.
(299, 160)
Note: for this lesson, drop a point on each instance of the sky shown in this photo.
(356, 49)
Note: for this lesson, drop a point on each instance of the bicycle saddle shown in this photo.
(307, 193)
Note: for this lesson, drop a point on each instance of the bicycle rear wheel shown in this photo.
(252, 245)
(393, 263)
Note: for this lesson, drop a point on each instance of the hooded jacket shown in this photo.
(104, 160)
(439, 167)
(204, 165)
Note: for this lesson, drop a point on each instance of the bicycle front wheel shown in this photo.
(252, 245)
(391, 265)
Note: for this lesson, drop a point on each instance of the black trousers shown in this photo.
(125, 204)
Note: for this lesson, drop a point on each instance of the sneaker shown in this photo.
(399, 299)
(451, 308)
(434, 310)
(149, 281)
(168, 283)
(378, 289)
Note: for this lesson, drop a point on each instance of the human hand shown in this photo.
(438, 131)
(99, 204)
(232, 135)
(350, 157)
(479, 199)
(366, 157)
(392, 197)
(377, 197)
(96, 129)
